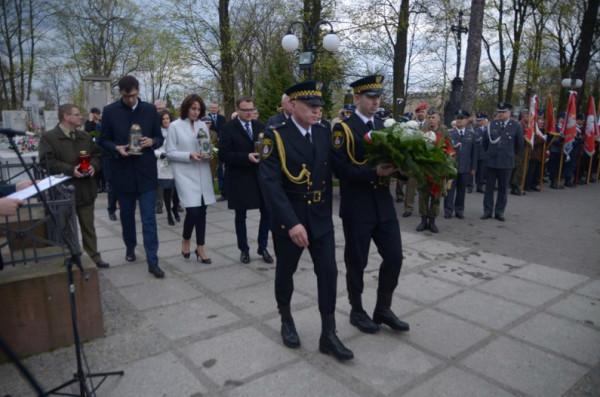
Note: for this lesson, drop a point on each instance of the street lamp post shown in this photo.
(307, 56)
(453, 103)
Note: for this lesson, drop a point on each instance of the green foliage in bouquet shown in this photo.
(414, 153)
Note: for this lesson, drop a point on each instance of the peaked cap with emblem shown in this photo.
(308, 92)
(370, 85)
(504, 107)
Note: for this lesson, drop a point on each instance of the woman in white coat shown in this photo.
(191, 170)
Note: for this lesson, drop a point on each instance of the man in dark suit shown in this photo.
(295, 176)
(367, 209)
(463, 141)
(284, 115)
(237, 143)
(134, 176)
(59, 151)
(217, 123)
(503, 141)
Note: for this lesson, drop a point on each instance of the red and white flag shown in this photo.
(569, 128)
(532, 125)
(591, 128)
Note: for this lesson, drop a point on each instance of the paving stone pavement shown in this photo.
(482, 324)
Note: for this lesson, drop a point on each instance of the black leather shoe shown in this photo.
(387, 317)
(361, 320)
(102, 265)
(329, 343)
(406, 214)
(480, 190)
(156, 271)
(289, 335)
(470, 189)
(265, 255)
(170, 220)
(159, 210)
(459, 215)
(112, 216)
(245, 257)
(486, 216)
(176, 216)
(130, 256)
(432, 226)
(500, 218)
(423, 225)
(447, 216)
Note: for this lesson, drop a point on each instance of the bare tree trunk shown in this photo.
(520, 15)
(400, 59)
(31, 50)
(7, 34)
(582, 63)
(227, 78)
(473, 54)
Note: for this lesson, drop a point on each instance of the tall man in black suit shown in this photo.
(134, 177)
(237, 151)
(367, 209)
(503, 141)
(462, 138)
(295, 176)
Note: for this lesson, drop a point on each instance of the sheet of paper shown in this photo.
(44, 184)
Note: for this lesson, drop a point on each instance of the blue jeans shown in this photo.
(263, 229)
(221, 178)
(147, 201)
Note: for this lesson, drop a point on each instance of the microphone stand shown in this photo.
(80, 377)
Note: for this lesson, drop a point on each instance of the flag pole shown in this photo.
(589, 173)
(598, 168)
(525, 167)
(543, 167)
(560, 165)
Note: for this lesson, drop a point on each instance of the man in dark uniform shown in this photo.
(367, 209)
(284, 115)
(480, 131)
(295, 178)
(463, 141)
(503, 141)
(237, 151)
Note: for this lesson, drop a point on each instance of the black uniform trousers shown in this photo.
(322, 252)
(502, 176)
(387, 239)
(455, 199)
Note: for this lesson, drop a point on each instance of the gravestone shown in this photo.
(97, 92)
(33, 106)
(50, 119)
(15, 119)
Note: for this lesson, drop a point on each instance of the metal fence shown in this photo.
(35, 234)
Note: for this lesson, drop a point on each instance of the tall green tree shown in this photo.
(271, 85)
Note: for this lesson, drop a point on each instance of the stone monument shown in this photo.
(97, 91)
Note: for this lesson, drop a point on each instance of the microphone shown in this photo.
(11, 133)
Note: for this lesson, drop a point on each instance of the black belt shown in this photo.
(312, 197)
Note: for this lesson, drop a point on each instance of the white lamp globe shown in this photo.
(289, 42)
(331, 42)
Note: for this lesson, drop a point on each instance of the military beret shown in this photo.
(421, 106)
